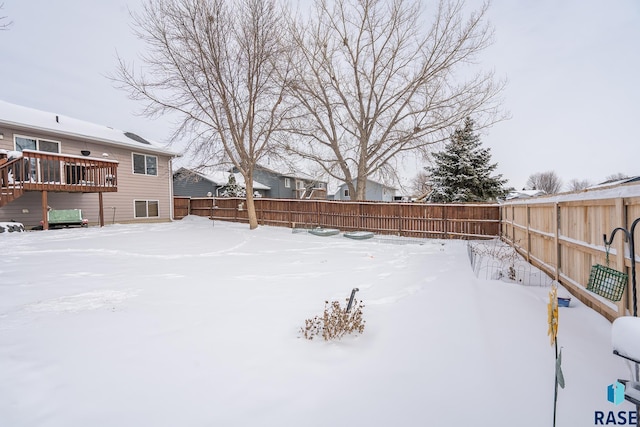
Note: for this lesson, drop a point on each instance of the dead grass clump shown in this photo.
(335, 322)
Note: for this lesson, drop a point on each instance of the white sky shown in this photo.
(572, 68)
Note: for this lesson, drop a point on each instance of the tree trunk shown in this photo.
(361, 188)
(251, 206)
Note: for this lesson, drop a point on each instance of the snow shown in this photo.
(197, 324)
(625, 336)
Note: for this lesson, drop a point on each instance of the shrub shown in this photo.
(336, 322)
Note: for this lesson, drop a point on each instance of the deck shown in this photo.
(52, 172)
(40, 171)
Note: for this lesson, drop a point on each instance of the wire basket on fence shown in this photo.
(607, 282)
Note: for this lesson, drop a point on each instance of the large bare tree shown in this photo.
(549, 182)
(375, 80)
(219, 65)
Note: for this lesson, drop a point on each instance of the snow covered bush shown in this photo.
(336, 322)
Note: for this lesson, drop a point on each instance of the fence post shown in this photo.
(513, 225)
(528, 213)
(621, 221)
(445, 223)
(556, 239)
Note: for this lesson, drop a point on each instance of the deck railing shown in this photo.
(40, 171)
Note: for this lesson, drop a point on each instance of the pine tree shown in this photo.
(233, 189)
(462, 172)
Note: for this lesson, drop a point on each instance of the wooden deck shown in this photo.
(40, 171)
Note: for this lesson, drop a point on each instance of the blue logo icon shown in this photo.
(615, 393)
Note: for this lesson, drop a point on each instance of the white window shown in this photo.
(145, 165)
(346, 192)
(145, 208)
(287, 183)
(40, 170)
(299, 185)
(29, 143)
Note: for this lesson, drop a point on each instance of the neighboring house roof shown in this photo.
(16, 115)
(221, 178)
(616, 182)
(291, 174)
(370, 181)
(524, 194)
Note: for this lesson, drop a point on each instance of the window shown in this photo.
(145, 165)
(346, 192)
(299, 185)
(146, 208)
(29, 143)
(287, 182)
(40, 170)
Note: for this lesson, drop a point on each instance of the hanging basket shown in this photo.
(607, 282)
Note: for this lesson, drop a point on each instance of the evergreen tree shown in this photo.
(233, 189)
(462, 172)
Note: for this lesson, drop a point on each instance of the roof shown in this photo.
(291, 174)
(524, 194)
(221, 178)
(370, 181)
(615, 182)
(16, 115)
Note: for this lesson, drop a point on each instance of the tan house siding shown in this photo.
(118, 206)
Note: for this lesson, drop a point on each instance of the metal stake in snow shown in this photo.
(353, 294)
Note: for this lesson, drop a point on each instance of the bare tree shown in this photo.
(374, 81)
(578, 185)
(549, 182)
(615, 177)
(4, 24)
(218, 64)
(420, 184)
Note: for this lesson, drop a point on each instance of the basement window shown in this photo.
(146, 208)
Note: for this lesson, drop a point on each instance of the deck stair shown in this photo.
(9, 189)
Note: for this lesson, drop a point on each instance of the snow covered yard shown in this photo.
(185, 324)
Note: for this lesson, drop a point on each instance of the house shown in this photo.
(375, 191)
(48, 160)
(189, 183)
(290, 185)
(524, 194)
(614, 182)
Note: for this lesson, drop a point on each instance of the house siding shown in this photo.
(118, 206)
(193, 187)
(277, 184)
(374, 191)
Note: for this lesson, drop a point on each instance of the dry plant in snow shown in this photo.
(335, 322)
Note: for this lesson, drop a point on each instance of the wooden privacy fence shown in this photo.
(565, 239)
(463, 221)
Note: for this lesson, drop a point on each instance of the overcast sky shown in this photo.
(573, 70)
